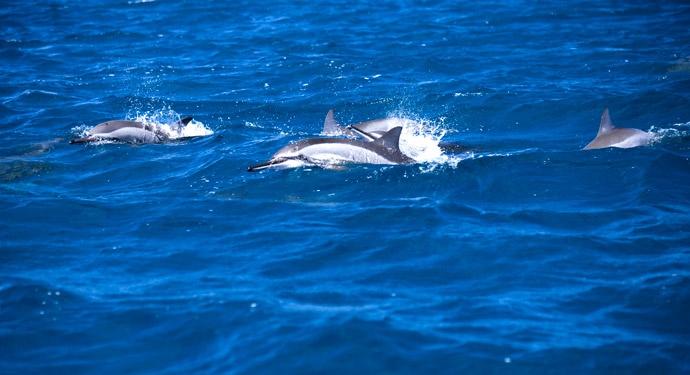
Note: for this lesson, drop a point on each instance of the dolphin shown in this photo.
(330, 151)
(369, 130)
(611, 136)
(127, 131)
(374, 129)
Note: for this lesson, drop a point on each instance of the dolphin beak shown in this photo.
(264, 165)
(361, 133)
(81, 140)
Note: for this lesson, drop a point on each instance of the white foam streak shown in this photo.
(670, 134)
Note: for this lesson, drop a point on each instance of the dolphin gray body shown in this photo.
(369, 130)
(127, 131)
(330, 151)
(611, 136)
(374, 129)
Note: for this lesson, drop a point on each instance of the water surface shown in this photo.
(528, 256)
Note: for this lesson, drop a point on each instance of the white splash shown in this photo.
(420, 140)
(167, 121)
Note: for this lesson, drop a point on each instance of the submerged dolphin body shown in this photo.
(611, 136)
(374, 129)
(127, 131)
(329, 151)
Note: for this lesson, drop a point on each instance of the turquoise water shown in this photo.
(526, 255)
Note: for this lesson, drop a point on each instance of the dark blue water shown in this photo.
(527, 256)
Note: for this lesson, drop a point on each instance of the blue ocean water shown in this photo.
(528, 255)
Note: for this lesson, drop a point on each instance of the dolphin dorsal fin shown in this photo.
(185, 120)
(391, 139)
(330, 126)
(605, 125)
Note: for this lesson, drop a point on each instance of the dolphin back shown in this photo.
(111, 126)
(611, 136)
(377, 128)
(185, 120)
(124, 134)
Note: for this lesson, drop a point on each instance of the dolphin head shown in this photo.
(281, 162)
(286, 157)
